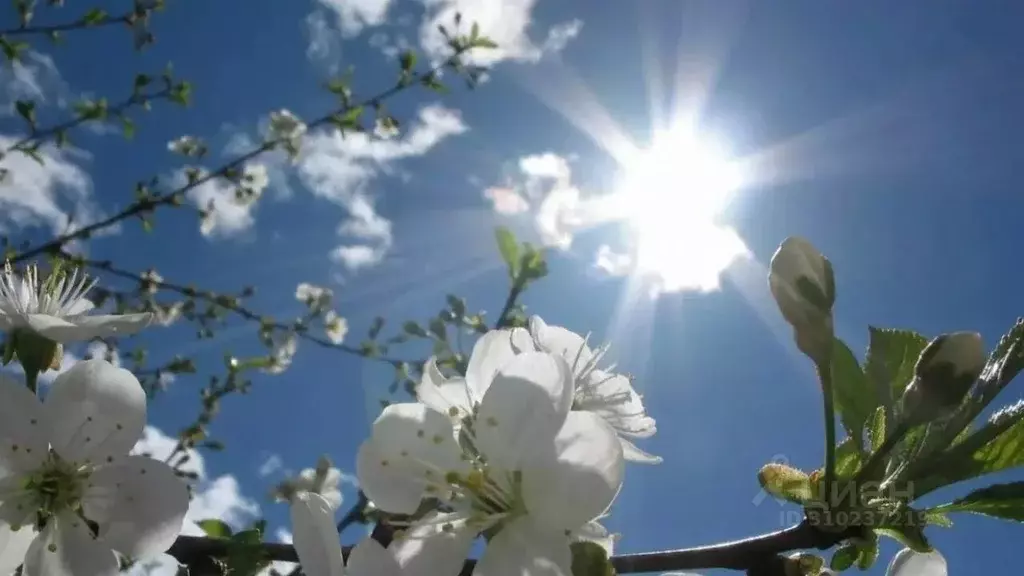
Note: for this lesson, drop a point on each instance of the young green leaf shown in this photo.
(843, 557)
(890, 361)
(855, 401)
(215, 528)
(509, 248)
(94, 17)
(876, 429)
(1004, 501)
(590, 559)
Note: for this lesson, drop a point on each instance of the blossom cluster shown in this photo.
(71, 497)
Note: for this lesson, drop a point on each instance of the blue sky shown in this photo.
(885, 133)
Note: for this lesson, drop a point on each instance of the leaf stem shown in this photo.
(825, 377)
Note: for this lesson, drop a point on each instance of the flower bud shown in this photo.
(802, 283)
(944, 374)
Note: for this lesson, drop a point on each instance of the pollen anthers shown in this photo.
(55, 295)
(57, 486)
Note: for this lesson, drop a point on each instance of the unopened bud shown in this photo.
(803, 285)
(944, 374)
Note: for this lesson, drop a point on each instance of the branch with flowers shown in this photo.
(520, 443)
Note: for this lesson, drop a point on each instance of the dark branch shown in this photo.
(747, 554)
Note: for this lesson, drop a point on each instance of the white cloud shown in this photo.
(324, 42)
(507, 22)
(391, 45)
(354, 15)
(543, 188)
(56, 194)
(34, 77)
(226, 216)
(272, 464)
(612, 262)
(339, 169)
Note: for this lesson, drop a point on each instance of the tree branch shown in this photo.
(746, 554)
(175, 196)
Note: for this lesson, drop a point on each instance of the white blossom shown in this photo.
(66, 459)
(150, 281)
(282, 354)
(57, 308)
(284, 124)
(324, 480)
(525, 467)
(801, 281)
(317, 298)
(316, 543)
(335, 327)
(187, 146)
(910, 563)
(255, 178)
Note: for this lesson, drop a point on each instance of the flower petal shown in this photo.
(315, 536)
(139, 504)
(633, 454)
(598, 534)
(582, 478)
(427, 548)
(910, 563)
(522, 548)
(101, 326)
(55, 328)
(95, 412)
(66, 548)
(23, 442)
(490, 354)
(390, 487)
(524, 408)
(522, 341)
(563, 342)
(369, 558)
(443, 394)
(13, 546)
(80, 306)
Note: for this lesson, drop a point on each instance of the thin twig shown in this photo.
(79, 24)
(175, 196)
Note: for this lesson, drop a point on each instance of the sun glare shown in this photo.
(672, 195)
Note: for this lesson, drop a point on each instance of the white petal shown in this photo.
(114, 325)
(522, 341)
(411, 446)
(561, 341)
(428, 549)
(490, 354)
(523, 409)
(369, 558)
(23, 441)
(582, 479)
(633, 454)
(66, 548)
(523, 549)
(13, 546)
(139, 505)
(95, 411)
(333, 498)
(443, 394)
(81, 306)
(910, 563)
(55, 328)
(315, 536)
(390, 487)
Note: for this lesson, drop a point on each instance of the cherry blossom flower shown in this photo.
(316, 543)
(65, 464)
(526, 469)
(284, 124)
(324, 480)
(910, 563)
(335, 327)
(317, 298)
(57, 308)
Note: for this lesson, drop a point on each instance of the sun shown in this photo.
(672, 195)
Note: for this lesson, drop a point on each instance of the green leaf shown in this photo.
(414, 329)
(855, 401)
(430, 81)
(407, 60)
(474, 31)
(141, 81)
(457, 305)
(12, 49)
(349, 120)
(890, 361)
(1004, 501)
(905, 527)
(843, 557)
(127, 127)
(997, 446)
(848, 459)
(484, 42)
(248, 537)
(27, 110)
(867, 551)
(509, 248)
(437, 328)
(376, 327)
(785, 482)
(93, 17)
(215, 528)
(937, 518)
(590, 559)
(876, 429)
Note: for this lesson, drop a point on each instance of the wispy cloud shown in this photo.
(542, 187)
(507, 22)
(354, 15)
(340, 169)
(272, 464)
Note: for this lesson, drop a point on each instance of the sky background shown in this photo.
(886, 133)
